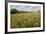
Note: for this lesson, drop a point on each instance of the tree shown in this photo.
(13, 11)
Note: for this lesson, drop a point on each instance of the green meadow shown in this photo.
(25, 20)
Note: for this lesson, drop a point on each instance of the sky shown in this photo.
(25, 8)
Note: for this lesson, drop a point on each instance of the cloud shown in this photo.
(25, 8)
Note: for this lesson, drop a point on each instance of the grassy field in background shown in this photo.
(25, 20)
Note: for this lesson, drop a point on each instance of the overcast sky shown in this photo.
(25, 8)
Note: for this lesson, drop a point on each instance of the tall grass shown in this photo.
(25, 20)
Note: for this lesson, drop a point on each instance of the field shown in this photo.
(25, 20)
